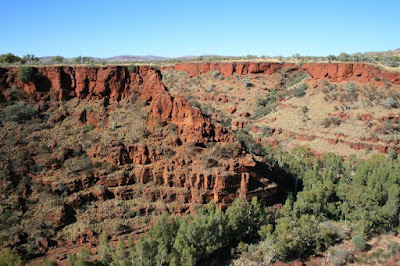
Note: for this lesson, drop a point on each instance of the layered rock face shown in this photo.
(331, 71)
(232, 178)
(364, 122)
(112, 146)
(117, 83)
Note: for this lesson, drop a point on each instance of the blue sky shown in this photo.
(177, 28)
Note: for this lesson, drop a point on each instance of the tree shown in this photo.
(26, 73)
(58, 59)
(29, 58)
(83, 60)
(203, 236)
(10, 258)
(245, 218)
(9, 58)
(119, 256)
(104, 249)
(156, 247)
(300, 237)
(131, 249)
(331, 58)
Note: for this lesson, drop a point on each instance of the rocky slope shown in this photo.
(109, 149)
(363, 122)
(332, 71)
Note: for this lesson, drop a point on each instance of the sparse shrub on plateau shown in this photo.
(26, 73)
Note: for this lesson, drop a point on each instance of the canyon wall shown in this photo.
(114, 84)
(361, 72)
(232, 178)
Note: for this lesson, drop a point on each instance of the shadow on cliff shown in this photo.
(287, 183)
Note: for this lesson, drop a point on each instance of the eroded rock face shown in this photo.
(332, 71)
(229, 180)
(228, 69)
(117, 83)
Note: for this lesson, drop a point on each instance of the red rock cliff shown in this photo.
(116, 83)
(333, 71)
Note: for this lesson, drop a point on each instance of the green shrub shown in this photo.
(335, 121)
(393, 248)
(58, 59)
(210, 88)
(37, 168)
(215, 73)
(249, 143)
(132, 68)
(20, 112)
(267, 105)
(247, 83)
(15, 93)
(359, 243)
(295, 78)
(390, 60)
(300, 90)
(390, 103)
(229, 88)
(26, 74)
(340, 256)
(351, 88)
(9, 58)
(261, 111)
(10, 258)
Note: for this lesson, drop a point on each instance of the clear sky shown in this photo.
(101, 28)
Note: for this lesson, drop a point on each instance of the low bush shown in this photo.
(10, 258)
(20, 112)
(330, 120)
(210, 88)
(261, 111)
(215, 73)
(351, 88)
(390, 103)
(26, 74)
(393, 248)
(249, 143)
(15, 93)
(300, 90)
(132, 68)
(340, 256)
(359, 243)
(247, 83)
(295, 78)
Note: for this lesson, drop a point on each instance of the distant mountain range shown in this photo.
(133, 58)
